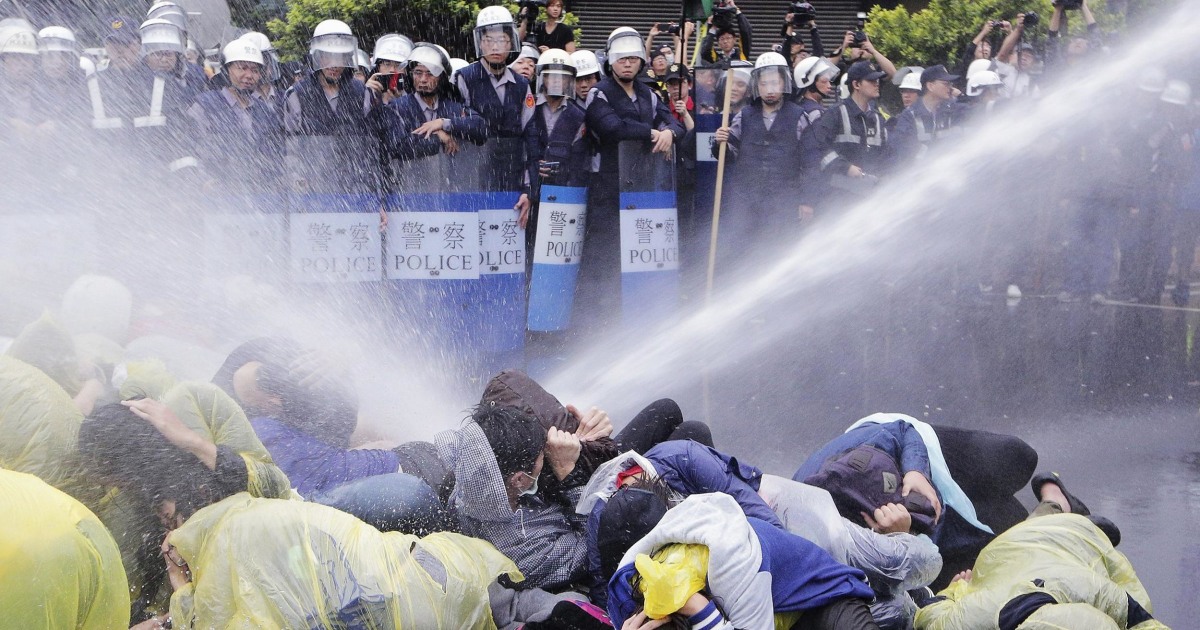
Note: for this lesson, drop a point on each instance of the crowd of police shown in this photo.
(630, 133)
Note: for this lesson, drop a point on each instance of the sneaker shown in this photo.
(1041, 479)
(1013, 292)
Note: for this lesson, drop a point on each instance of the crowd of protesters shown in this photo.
(153, 503)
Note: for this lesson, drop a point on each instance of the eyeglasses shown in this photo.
(501, 41)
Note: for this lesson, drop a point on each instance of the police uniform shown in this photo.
(240, 137)
(345, 124)
(844, 135)
(507, 104)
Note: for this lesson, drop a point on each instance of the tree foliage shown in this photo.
(940, 33)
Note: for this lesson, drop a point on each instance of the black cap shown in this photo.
(657, 53)
(122, 29)
(677, 71)
(937, 73)
(864, 71)
(629, 515)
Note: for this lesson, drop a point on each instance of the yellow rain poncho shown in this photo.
(59, 567)
(1076, 563)
(209, 411)
(262, 563)
(39, 425)
(671, 576)
(48, 347)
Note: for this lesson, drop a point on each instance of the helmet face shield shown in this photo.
(556, 81)
(770, 81)
(162, 37)
(626, 45)
(497, 39)
(334, 50)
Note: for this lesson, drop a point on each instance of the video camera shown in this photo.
(723, 16)
(860, 33)
(803, 13)
(1032, 19)
(530, 8)
(1068, 5)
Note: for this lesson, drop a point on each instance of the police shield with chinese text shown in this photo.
(561, 157)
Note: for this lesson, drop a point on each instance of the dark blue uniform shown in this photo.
(404, 114)
(507, 120)
(844, 135)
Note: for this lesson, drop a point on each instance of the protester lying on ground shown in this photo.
(60, 567)
(706, 552)
(928, 466)
(1057, 569)
(166, 460)
(234, 564)
(893, 563)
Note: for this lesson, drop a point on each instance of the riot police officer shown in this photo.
(764, 144)
(426, 120)
(501, 96)
(848, 145)
(928, 120)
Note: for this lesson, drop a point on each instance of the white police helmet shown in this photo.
(159, 35)
(332, 46)
(18, 37)
(624, 42)
(241, 49)
(492, 25)
(57, 39)
(392, 47)
(556, 73)
(983, 80)
(770, 63)
(585, 63)
(812, 68)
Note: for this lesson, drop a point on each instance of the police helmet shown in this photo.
(585, 63)
(812, 68)
(766, 65)
(981, 81)
(492, 25)
(624, 42)
(57, 39)
(556, 74)
(159, 35)
(332, 46)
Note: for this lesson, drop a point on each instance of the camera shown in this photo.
(802, 13)
(670, 28)
(1032, 19)
(995, 23)
(1068, 5)
(723, 16)
(860, 34)
(530, 8)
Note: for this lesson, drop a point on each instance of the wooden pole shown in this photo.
(712, 244)
(716, 219)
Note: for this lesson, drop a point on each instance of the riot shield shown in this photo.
(334, 204)
(649, 234)
(456, 258)
(557, 252)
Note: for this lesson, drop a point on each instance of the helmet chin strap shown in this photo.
(497, 68)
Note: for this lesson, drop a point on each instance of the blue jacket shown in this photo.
(404, 114)
(898, 439)
(314, 466)
(688, 468)
(803, 576)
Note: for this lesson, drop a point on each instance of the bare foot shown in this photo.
(1051, 492)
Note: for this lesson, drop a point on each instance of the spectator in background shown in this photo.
(731, 34)
(1017, 61)
(981, 47)
(549, 34)
(853, 51)
(793, 48)
(1076, 48)
(676, 42)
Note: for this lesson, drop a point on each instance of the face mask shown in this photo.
(531, 490)
(670, 59)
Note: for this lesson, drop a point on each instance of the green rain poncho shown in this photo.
(59, 567)
(262, 563)
(1076, 563)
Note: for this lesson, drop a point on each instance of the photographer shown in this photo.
(1077, 47)
(731, 31)
(856, 46)
(801, 16)
(549, 34)
(1015, 52)
(981, 46)
(673, 30)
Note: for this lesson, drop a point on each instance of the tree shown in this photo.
(940, 33)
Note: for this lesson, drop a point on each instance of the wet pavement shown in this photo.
(1107, 395)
